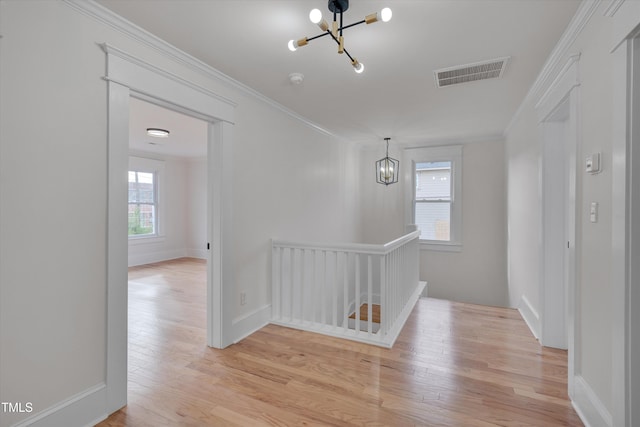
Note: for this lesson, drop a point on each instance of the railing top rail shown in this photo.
(362, 248)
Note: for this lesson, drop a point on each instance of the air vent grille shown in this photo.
(471, 72)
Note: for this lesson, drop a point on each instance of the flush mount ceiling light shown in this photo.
(158, 133)
(338, 7)
(387, 169)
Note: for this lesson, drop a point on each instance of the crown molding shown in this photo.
(613, 7)
(558, 55)
(107, 17)
(432, 141)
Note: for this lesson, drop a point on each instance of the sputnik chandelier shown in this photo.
(338, 7)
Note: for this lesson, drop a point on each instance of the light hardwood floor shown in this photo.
(454, 364)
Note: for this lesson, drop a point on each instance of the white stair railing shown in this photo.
(324, 288)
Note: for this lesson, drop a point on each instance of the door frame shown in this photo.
(558, 113)
(625, 226)
(129, 76)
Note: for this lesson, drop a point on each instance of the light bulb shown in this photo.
(358, 67)
(294, 44)
(386, 14)
(315, 16)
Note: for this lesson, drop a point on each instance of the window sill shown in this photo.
(144, 240)
(430, 245)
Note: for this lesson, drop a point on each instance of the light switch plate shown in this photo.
(592, 163)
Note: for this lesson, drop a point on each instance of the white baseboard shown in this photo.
(249, 323)
(589, 407)
(83, 409)
(530, 316)
(151, 257)
(395, 330)
(196, 253)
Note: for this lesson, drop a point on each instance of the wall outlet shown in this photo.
(593, 212)
(243, 298)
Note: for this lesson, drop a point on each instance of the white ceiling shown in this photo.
(187, 136)
(396, 96)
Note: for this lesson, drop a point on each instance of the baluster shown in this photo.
(357, 308)
(334, 290)
(292, 263)
(394, 288)
(303, 257)
(369, 296)
(324, 288)
(275, 284)
(383, 296)
(345, 290)
(311, 307)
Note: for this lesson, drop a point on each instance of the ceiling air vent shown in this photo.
(471, 72)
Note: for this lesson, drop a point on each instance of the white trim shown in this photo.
(584, 13)
(389, 339)
(619, 231)
(590, 409)
(117, 246)
(138, 78)
(100, 13)
(156, 256)
(453, 153)
(428, 245)
(625, 23)
(147, 80)
(530, 316)
(560, 103)
(625, 226)
(78, 410)
(146, 239)
(196, 253)
(613, 7)
(249, 323)
(566, 80)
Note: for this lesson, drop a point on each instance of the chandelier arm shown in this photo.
(338, 42)
(351, 25)
(318, 36)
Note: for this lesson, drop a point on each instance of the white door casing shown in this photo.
(129, 76)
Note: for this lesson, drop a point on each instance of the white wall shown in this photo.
(53, 176)
(383, 207)
(196, 191)
(173, 203)
(477, 273)
(182, 212)
(53, 187)
(593, 250)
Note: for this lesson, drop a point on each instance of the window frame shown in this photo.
(155, 167)
(453, 154)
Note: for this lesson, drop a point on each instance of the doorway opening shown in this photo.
(128, 76)
(167, 236)
(559, 113)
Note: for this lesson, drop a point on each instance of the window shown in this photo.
(143, 206)
(145, 199)
(433, 200)
(436, 196)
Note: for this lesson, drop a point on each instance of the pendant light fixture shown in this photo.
(387, 169)
(338, 7)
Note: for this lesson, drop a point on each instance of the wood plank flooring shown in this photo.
(364, 313)
(454, 364)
